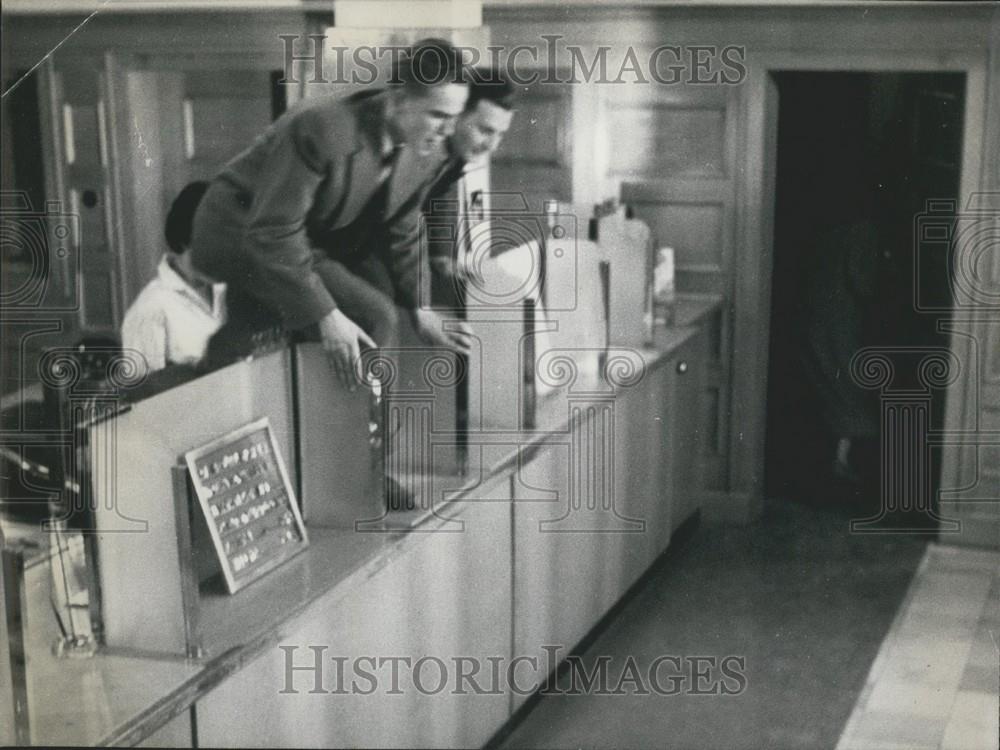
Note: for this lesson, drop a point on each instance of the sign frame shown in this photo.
(235, 581)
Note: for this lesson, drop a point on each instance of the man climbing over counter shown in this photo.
(317, 223)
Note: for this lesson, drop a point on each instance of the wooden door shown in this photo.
(535, 158)
(674, 156)
(60, 275)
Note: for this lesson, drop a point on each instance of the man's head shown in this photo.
(487, 117)
(178, 230)
(180, 218)
(427, 94)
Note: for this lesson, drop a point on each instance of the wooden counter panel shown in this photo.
(564, 576)
(444, 593)
(132, 460)
(512, 580)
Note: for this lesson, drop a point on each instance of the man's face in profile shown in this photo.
(424, 120)
(479, 131)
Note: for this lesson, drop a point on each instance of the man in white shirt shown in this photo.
(175, 315)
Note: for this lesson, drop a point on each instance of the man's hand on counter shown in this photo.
(429, 326)
(342, 339)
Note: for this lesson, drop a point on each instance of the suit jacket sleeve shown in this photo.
(297, 162)
(405, 257)
(411, 244)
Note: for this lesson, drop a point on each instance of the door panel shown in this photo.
(687, 194)
(535, 157)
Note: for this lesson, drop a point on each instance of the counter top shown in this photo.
(343, 558)
(119, 698)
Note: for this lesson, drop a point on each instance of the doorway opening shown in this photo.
(858, 157)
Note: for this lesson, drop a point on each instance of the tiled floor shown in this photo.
(936, 680)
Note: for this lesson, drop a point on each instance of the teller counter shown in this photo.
(509, 556)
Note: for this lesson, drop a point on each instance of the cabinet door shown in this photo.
(643, 476)
(443, 595)
(563, 580)
(574, 534)
(661, 410)
(688, 365)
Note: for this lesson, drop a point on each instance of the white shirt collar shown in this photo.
(173, 281)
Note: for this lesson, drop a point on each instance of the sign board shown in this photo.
(248, 502)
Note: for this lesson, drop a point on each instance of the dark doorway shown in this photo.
(859, 156)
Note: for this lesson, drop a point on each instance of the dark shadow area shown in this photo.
(859, 156)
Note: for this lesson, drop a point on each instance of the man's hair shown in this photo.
(181, 216)
(486, 85)
(430, 62)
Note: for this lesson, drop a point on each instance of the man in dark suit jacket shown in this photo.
(318, 221)
(479, 131)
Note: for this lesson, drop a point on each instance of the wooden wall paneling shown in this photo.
(698, 219)
(678, 173)
(671, 132)
(535, 159)
(934, 37)
(248, 35)
(756, 26)
(694, 218)
(223, 111)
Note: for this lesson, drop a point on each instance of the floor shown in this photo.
(808, 606)
(935, 681)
